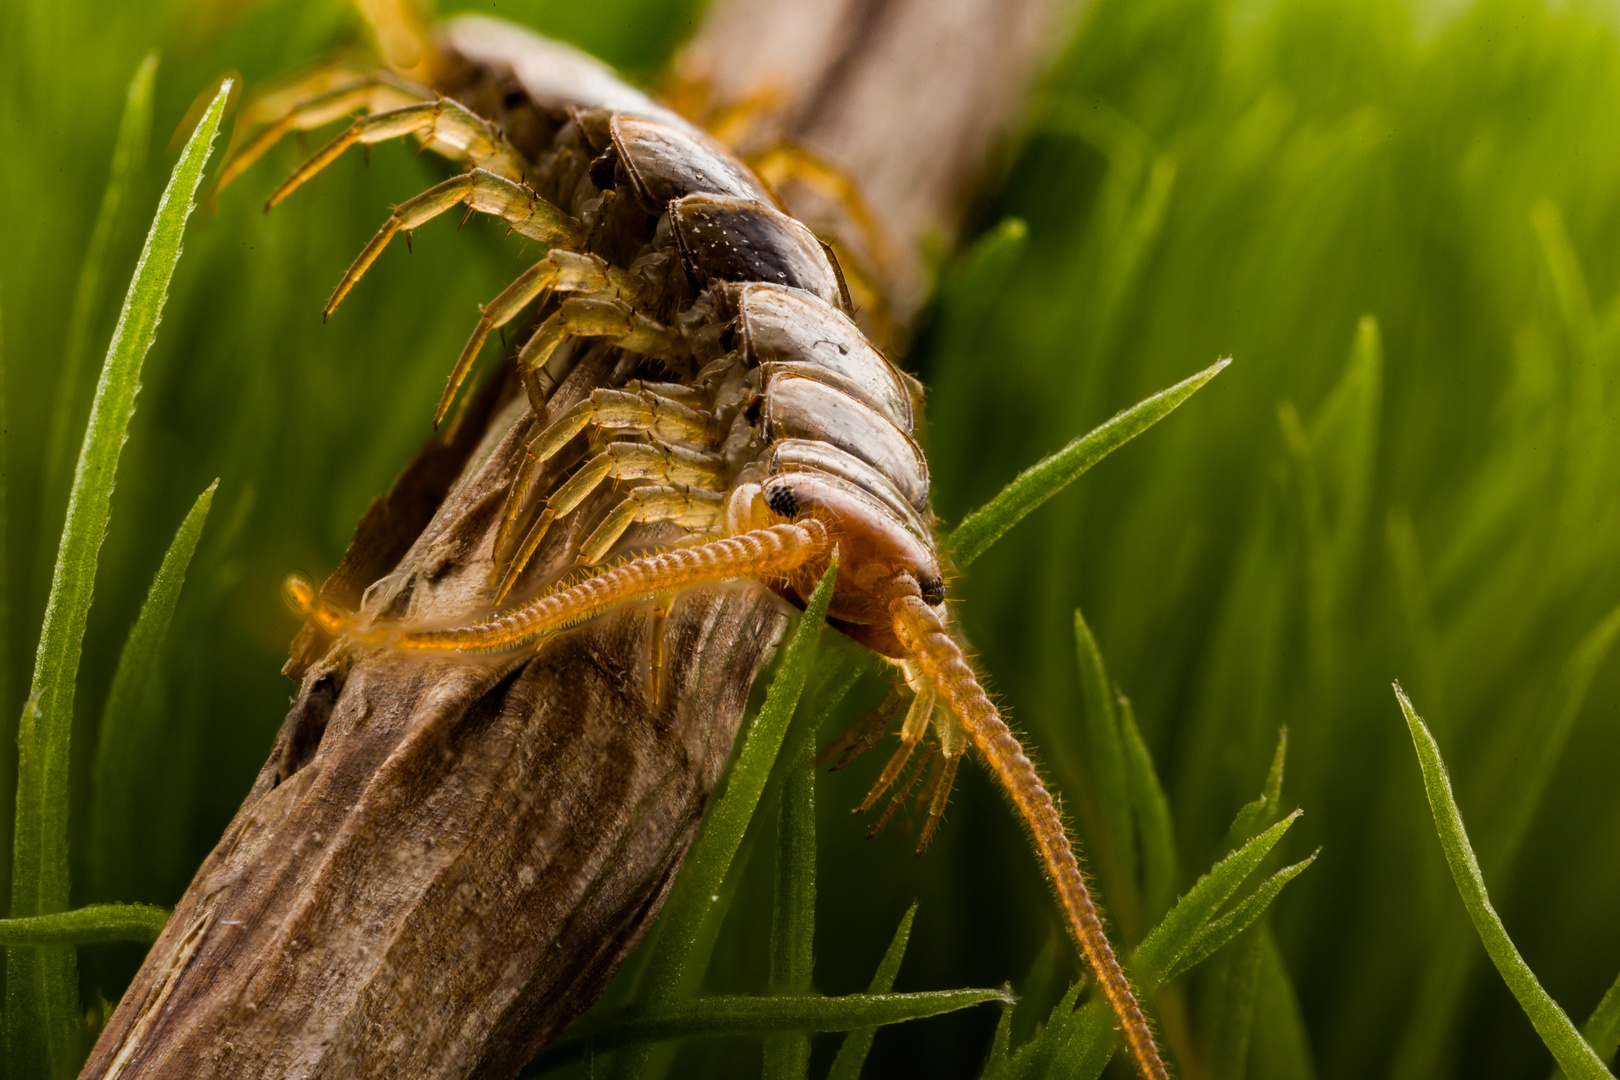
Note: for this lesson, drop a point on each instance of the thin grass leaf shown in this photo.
(86, 926)
(41, 986)
(1445, 979)
(685, 930)
(981, 272)
(1160, 864)
(852, 1054)
(1175, 934)
(1218, 932)
(1602, 1028)
(1106, 757)
(1093, 1037)
(1032, 487)
(1571, 1051)
(793, 916)
(1259, 812)
(1233, 1021)
(745, 1014)
(1280, 1047)
(113, 794)
(128, 160)
(5, 535)
(1035, 1057)
(1000, 1044)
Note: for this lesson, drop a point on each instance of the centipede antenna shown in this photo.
(923, 635)
(759, 554)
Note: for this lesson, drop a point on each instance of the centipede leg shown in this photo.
(939, 793)
(593, 316)
(864, 733)
(561, 271)
(655, 648)
(479, 190)
(902, 791)
(634, 410)
(682, 501)
(327, 95)
(445, 125)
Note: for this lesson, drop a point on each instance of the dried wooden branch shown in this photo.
(444, 861)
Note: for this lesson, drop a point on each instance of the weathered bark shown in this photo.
(443, 861)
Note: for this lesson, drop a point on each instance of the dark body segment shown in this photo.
(728, 239)
(666, 162)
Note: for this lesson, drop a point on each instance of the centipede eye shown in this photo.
(783, 501)
(298, 593)
(933, 591)
(604, 168)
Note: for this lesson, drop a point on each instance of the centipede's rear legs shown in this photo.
(686, 496)
(327, 94)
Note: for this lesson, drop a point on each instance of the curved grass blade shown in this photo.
(129, 158)
(793, 915)
(1032, 487)
(1218, 932)
(1106, 755)
(1093, 1039)
(1572, 1052)
(746, 1014)
(1602, 1028)
(1160, 864)
(41, 985)
(682, 942)
(1163, 948)
(852, 1054)
(113, 794)
(86, 926)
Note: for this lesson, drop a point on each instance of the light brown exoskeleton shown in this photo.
(752, 411)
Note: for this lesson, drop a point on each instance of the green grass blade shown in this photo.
(1163, 948)
(745, 1014)
(1036, 1057)
(1233, 1022)
(1177, 944)
(41, 986)
(1572, 1052)
(793, 917)
(5, 545)
(1106, 758)
(1260, 812)
(1032, 487)
(1602, 1028)
(1160, 864)
(129, 158)
(1281, 1046)
(86, 926)
(858, 1043)
(115, 783)
(1218, 932)
(1445, 982)
(685, 928)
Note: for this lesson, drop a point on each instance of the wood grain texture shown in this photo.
(909, 99)
(443, 862)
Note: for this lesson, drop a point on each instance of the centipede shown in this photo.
(747, 410)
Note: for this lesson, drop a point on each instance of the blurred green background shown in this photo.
(1199, 179)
